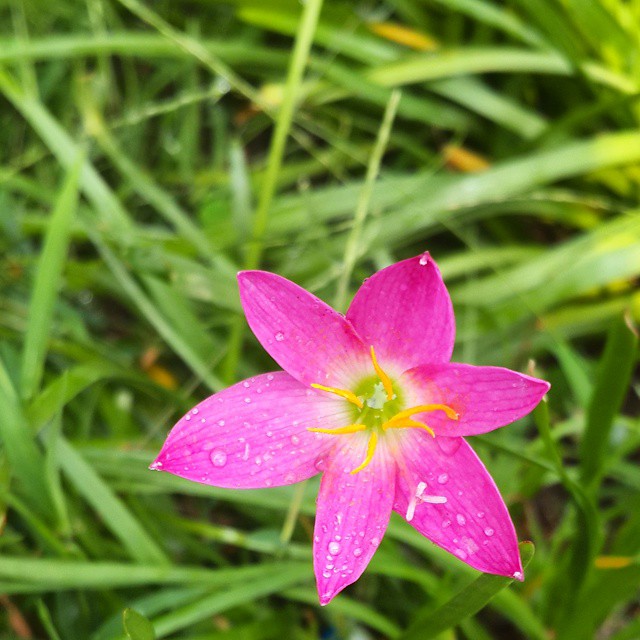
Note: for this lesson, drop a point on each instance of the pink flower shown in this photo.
(372, 402)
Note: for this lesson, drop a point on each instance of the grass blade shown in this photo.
(428, 624)
(47, 282)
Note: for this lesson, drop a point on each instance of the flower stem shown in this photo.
(299, 57)
(351, 248)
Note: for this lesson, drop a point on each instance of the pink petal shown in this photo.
(253, 434)
(353, 514)
(445, 492)
(306, 337)
(405, 312)
(484, 397)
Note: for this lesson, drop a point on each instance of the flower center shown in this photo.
(377, 408)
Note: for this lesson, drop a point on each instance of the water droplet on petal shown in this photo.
(518, 575)
(221, 423)
(218, 458)
(480, 514)
(247, 399)
(443, 478)
(460, 553)
(295, 440)
(334, 548)
(461, 520)
(449, 445)
(195, 412)
(357, 552)
(375, 541)
(326, 574)
(279, 336)
(424, 259)
(446, 523)
(489, 532)
(156, 466)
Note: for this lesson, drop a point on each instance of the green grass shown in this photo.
(151, 150)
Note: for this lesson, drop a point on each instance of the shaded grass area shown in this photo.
(151, 150)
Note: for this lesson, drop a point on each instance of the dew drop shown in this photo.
(375, 541)
(461, 520)
(247, 399)
(443, 478)
(295, 440)
(357, 552)
(489, 532)
(449, 445)
(269, 376)
(218, 458)
(446, 523)
(518, 575)
(279, 336)
(221, 423)
(460, 553)
(326, 574)
(424, 259)
(334, 548)
(195, 412)
(156, 466)
(245, 384)
(480, 514)
(187, 417)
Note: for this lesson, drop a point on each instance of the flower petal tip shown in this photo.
(156, 465)
(326, 598)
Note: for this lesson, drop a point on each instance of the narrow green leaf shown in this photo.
(47, 574)
(25, 459)
(116, 516)
(428, 623)
(136, 626)
(47, 281)
(612, 383)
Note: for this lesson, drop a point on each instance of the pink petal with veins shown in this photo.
(305, 336)
(253, 435)
(353, 514)
(405, 312)
(470, 518)
(484, 397)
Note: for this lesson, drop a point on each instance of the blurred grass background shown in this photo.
(150, 150)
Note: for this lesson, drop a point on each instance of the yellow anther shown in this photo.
(350, 428)
(407, 413)
(408, 424)
(371, 448)
(384, 378)
(343, 393)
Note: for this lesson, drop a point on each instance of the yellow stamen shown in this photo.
(350, 428)
(407, 413)
(343, 393)
(371, 448)
(408, 424)
(385, 379)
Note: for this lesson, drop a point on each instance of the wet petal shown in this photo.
(485, 398)
(444, 490)
(405, 312)
(253, 434)
(305, 336)
(353, 514)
